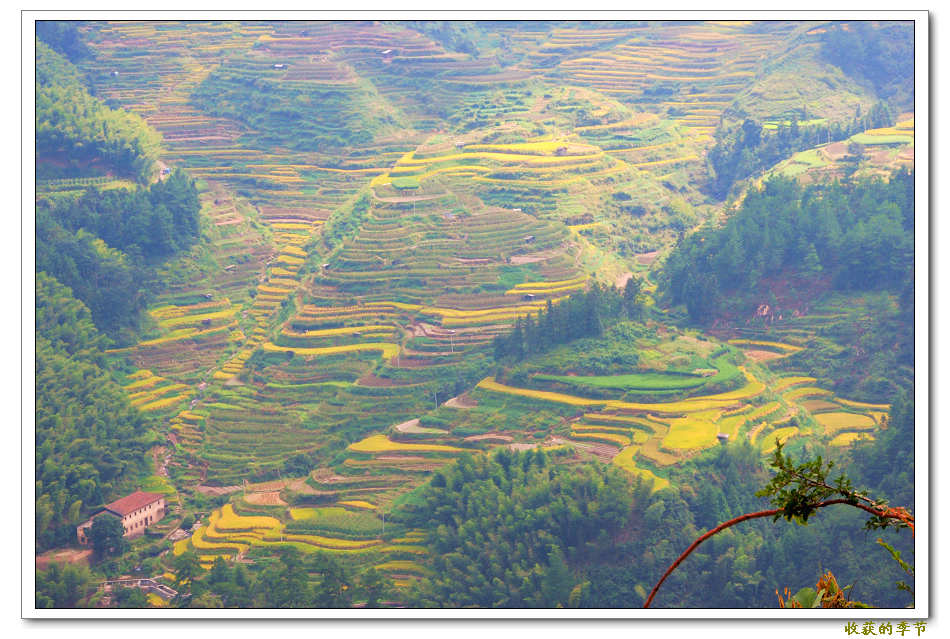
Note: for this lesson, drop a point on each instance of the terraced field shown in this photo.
(357, 264)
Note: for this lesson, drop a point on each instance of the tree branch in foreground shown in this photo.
(799, 491)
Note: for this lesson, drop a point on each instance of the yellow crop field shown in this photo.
(834, 422)
(169, 311)
(295, 250)
(388, 350)
(788, 382)
(173, 322)
(346, 330)
(696, 430)
(544, 291)
(549, 285)
(165, 403)
(464, 313)
(752, 388)
(780, 434)
(330, 542)
(229, 520)
(613, 438)
(411, 537)
(626, 459)
(154, 393)
(730, 424)
(846, 439)
(685, 406)
(400, 548)
(155, 601)
(808, 391)
(382, 444)
(181, 546)
(356, 503)
(585, 227)
(489, 383)
(185, 333)
(279, 290)
(144, 382)
(847, 402)
(199, 542)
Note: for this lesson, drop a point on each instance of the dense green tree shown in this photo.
(63, 37)
(186, 568)
(373, 587)
(129, 597)
(584, 314)
(506, 529)
(333, 588)
(63, 585)
(107, 536)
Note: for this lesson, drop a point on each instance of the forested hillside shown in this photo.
(75, 129)
(857, 236)
(90, 442)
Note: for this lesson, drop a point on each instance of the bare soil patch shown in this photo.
(269, 498)
(540, 256)
(836, 150)
(814, 405)
(647, 258)
(376, 382)
(462, 401)
(218, 490)
(761, 356)
(412, 426)
(67, 555)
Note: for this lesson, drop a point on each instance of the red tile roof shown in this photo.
(133, 502)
